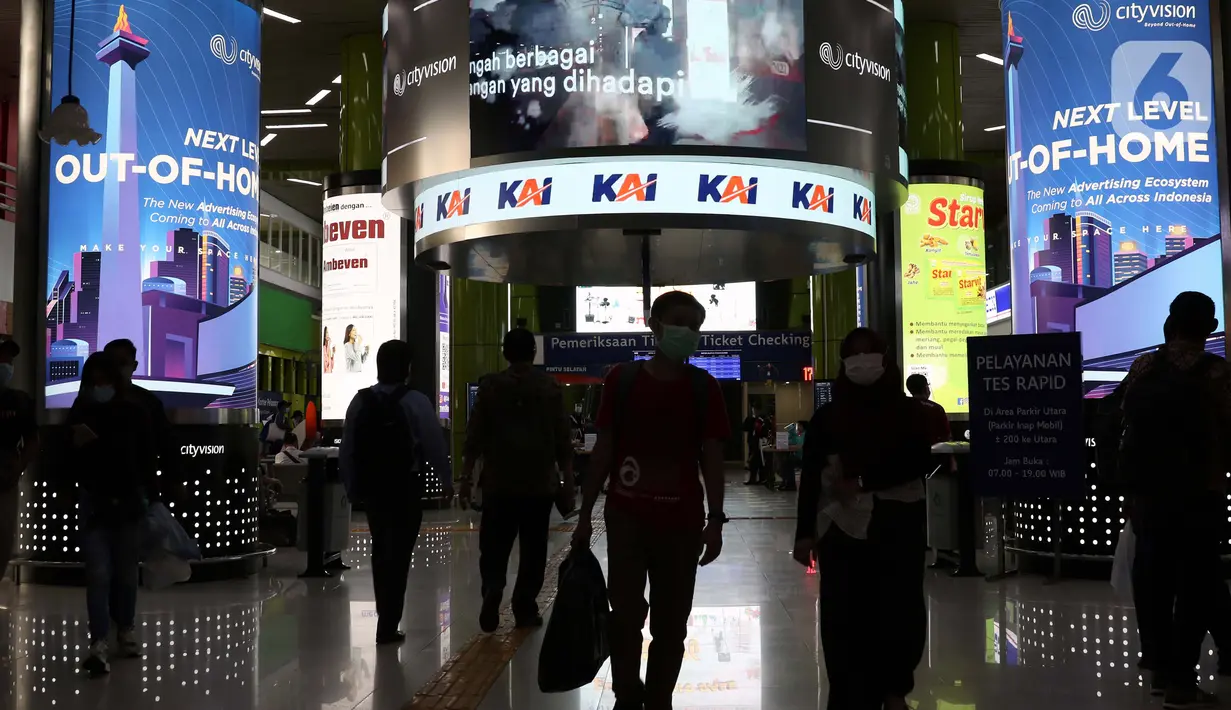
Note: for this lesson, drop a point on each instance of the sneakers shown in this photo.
(95, 663)
(1190, 697)
(529, 621)
(126, 645)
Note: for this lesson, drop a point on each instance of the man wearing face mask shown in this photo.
(655, 512)
(862, 516)
(18, 447)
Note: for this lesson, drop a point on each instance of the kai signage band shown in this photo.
(626, 186)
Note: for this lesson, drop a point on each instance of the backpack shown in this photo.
(1169, 442)
(628, 376)
(387, 450)
(523, 418)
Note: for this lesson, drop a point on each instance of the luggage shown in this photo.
(575, 645)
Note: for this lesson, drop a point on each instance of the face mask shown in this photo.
(6, 373)
(865, 369)
(678, 342)
(103, 393)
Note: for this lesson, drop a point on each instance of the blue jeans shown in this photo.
(112, 554)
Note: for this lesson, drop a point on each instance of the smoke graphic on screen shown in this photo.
(586, 73)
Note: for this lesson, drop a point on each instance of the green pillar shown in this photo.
(835, 312)
(478, 321)
(933, 91)
(362, 80)
(525, 304)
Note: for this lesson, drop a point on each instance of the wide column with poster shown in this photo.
(152, 238)
(1113, 193)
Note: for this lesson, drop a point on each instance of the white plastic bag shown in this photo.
(1122, 567)
(163, 569)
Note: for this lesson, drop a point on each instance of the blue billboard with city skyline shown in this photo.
(1111, 155)
(153, 230)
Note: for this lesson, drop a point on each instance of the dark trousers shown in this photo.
(756, 460)
(505, 518)
(1176, 579)
(636, 552)
(395, 530)
(873, 612)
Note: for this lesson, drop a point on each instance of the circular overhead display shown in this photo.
(769, 83)
(152, 231)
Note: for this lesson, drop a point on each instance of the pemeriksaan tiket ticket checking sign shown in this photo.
(1026, 438)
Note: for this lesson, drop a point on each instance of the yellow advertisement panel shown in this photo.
(944, 286)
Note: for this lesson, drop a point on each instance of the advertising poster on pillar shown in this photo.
(361, 295)
(1112, 171)
(944, 286)
(152, 231)
(442, 345)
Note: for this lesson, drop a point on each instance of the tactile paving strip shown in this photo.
(465, 679)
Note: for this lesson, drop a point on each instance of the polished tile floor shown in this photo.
(275, 641)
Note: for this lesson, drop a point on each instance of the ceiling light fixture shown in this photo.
(320, 95)
(337, 79)
(279, 16)
(993, 128)
(268, 139)
(304, 182)
(289, 126)
(989, 58)
(284, 111)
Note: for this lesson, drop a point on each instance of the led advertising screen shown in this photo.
(944, 286)
(1112, 160)
(619, 309)
(152, 230)
(697, 72)
(442, 345)
(361, 295)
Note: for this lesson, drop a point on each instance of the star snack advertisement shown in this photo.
(1112, 166)
(152, 231)
(944, 287)
(554, 75)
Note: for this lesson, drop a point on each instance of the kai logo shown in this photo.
(862, 209)
(419, 217)
(622, 187)
(453, 204)
(523, 193)
(808, 196)
(727, 189)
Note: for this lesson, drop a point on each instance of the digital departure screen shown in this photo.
(723, 365)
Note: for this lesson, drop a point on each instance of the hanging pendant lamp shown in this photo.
(70, 121)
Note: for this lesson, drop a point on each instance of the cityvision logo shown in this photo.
(833, 56)
(727, 189)
(862, 209)
(455, 203)
(632, 186)
(1152, 14)
(524, 193)
(229, 54)
(812, 197)
(194, 450)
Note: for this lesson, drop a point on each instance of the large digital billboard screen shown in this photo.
(152, 232)
(553, 75)
(944, 286)
(1112, 161)
(620, 309)
(361, 294)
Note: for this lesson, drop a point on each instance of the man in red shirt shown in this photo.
(661, 424)
(937, 419)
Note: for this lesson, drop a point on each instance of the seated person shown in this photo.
(290, 452)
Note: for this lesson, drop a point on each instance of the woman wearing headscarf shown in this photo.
(115, 473)
(862, 517)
